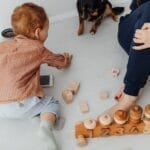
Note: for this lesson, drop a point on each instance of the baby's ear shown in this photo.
(37, 33)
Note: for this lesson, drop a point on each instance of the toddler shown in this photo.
(21, 95)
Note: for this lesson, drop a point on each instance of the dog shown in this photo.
(94, 11)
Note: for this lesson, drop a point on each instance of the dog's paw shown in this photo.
(114, 18)
(92, 31)
(80, 32)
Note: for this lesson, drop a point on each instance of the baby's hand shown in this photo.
(142, 36)
(68, 59)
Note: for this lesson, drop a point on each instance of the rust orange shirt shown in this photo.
(20, 60)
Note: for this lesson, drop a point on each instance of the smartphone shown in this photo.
(47, 81)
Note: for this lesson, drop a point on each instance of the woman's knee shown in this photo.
(146, 8)
(122, 41)
(147, 4)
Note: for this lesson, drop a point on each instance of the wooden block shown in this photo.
(90, 124)
(81, 141)
(84, 107)
(135, 114)
(79, 123)
(120, 117)
(115, 72)
(81, 130)
(146, 121)
(128, 128)
(105, 120)
(147, 129)
(74, 87)
(67, 96)
(111, 130)
(147, 111)
(104, 95)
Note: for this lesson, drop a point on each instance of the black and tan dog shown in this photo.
(94, 11)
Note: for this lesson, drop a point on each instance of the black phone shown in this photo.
(47, 80)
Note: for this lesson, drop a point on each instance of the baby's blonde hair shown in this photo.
(27, 18)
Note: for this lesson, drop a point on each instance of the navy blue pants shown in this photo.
(138, 67)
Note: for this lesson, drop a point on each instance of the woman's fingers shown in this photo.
(146, 26)
(141, 47)
(139, 41)
(138, 34)
(142, 37)
(138, 31)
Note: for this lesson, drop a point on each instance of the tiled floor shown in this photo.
(94, 57)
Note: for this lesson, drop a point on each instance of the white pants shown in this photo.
(30, 107)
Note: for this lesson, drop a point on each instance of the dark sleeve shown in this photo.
(134, 5)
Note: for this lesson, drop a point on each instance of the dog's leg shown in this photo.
(95, 25)
(113, 16)
(109, 12)
(81, 26)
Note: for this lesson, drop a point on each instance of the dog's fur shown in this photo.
(95, 11)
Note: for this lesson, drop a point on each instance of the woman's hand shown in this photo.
(142, 37)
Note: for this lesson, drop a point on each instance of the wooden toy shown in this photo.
(74, 87)
(120, 117)
(147, 111)
(135, 114)
(70, 91)
(146, 121)
(90, 124)
(147, 129)
(84, 106)
(104, 95)
(81, 141)
(105, 120)
(124, 123)
(67, 96)
(115, 72)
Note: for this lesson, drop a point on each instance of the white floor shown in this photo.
(94, 57)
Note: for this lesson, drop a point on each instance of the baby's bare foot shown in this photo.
(125, 103)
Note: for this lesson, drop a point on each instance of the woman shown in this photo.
(134, 37)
